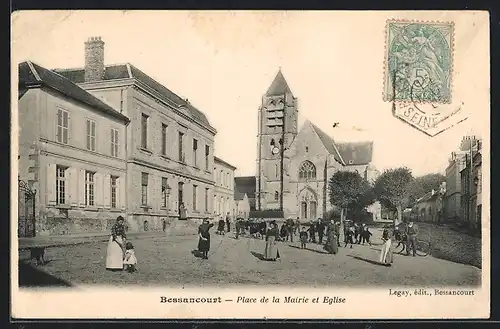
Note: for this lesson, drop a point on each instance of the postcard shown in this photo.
(250, 165)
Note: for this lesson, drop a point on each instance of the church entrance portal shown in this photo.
(308, 204)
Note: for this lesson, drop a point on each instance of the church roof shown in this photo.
(328, 142)
(358, 153)
(279, 86)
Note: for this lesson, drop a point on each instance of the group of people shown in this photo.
(120, 253)
(406, 235)
(121, 256)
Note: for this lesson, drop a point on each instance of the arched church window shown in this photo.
(307, 170)
(273, 142)
(276, 196)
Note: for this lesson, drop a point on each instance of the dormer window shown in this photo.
(272, 102)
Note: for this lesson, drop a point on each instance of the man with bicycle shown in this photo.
(411, 232)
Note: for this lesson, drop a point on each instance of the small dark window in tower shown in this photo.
(273, 142)
(276, 196)
(307, 149)
(272, 102)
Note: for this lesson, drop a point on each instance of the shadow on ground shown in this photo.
(257, 255)
(197, 253)
(309, 249)
(367, 260)
(30, 276)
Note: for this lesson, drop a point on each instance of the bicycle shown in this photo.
(423, 248)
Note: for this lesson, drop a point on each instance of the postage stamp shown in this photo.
(419, 62)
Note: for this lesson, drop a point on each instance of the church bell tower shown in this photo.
(277, 121)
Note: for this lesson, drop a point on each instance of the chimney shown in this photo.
(94, 59)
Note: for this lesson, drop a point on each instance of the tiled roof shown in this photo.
(279, 86)
(32, 75)
(121, 71)
(245, 185)
(359, 153)
(328, 142)
(217, 159)
(428, 197)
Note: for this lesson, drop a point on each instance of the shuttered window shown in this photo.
(144, 188)
(62, 126)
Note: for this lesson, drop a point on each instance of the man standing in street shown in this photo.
(321, 230)
(411, 234)
(228, 223)
(290, 226)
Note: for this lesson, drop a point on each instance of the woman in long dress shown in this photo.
(204, 238)
(272, 252)
(114, 256)
(386, 257)
(331, 240)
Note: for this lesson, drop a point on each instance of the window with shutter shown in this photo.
(144, 188)
(164, 192)
(51, 184)
(144, 131)
(61, 185)
(164, 128)
(195, 201)
(91, 135)
(62, 126)
(89, 188)
(114, 143)
(114, 188)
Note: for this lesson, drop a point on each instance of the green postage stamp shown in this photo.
(419, 62)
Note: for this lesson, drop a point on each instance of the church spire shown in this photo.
(279, 86)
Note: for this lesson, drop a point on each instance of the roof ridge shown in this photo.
(83, 68)
(318, 130)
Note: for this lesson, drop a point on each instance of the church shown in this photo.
(309, 158)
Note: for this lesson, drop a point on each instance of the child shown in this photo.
(130, 260)
(349, 235)
(303, 238)
(367, 235)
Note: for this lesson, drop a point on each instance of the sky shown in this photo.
(223, 62)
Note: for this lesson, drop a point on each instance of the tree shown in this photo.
(346, 188)
(393, 189)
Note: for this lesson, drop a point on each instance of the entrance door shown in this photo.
(303, 206)
(181, 195)
(312, 209)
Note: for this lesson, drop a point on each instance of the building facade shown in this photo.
(429, 208)
(72, 152)
(224, 187)
(170, 143)
(310, 157)
(453, 198)
(471, 184)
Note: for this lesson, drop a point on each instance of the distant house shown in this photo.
(241, 205)
(224, 187)
(429, 208)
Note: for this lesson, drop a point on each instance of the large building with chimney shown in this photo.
(170, 143)
(310, 157)
(72, 156)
